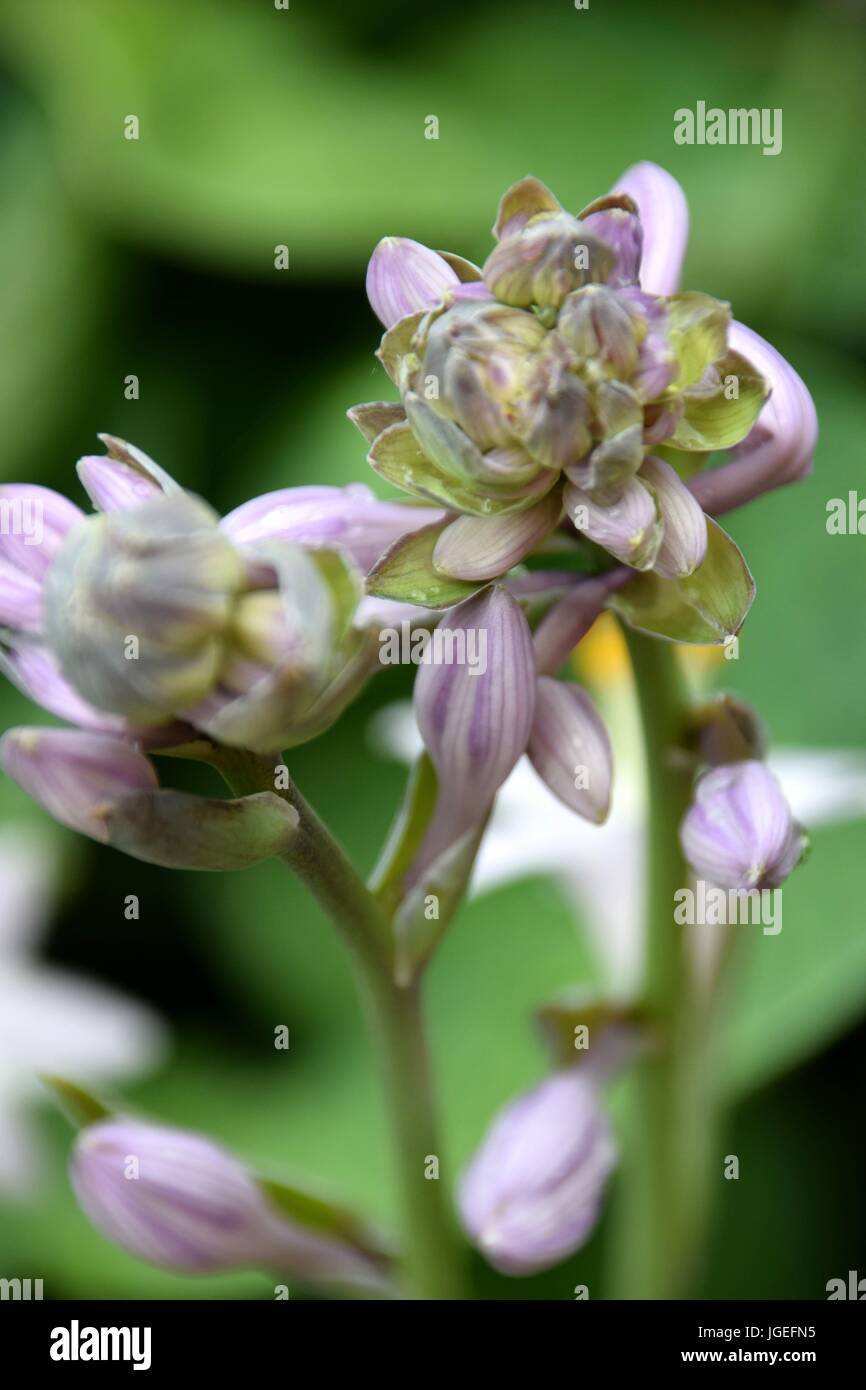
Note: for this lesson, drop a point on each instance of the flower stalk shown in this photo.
(663, 1203)
(396, 1020)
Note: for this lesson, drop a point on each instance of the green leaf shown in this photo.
(717, 421)
(704, 608)
(77, 1104)
(406, 572)
(697, 331)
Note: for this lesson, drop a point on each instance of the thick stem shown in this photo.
(662, 1216)
(432, 1255)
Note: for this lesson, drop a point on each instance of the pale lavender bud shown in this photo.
(403, 276)
(532, 1193)
(75, 776)
(350, 517)
(113, 485)
(570, 749)
(629, 528)
(34, 521)
(475, 547)
(684, 539)
(739, 831)
(779, 448)
(180, 1201)
(20, 599)
(32, 668)
(615, 219)
(475, 716)
(664, 217)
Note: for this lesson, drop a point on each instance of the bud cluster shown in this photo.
(544, 382)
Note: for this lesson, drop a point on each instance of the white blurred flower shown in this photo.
(51, 1020)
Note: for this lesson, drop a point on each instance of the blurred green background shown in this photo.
(261, 127)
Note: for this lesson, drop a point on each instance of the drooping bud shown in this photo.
(570, 749)
(630, 528)
(349, 517)
(75, 775)
(178, 1200)
(137, 605)
(739, 831)
(403, 276)
(684, 539)
(475, 716)
(532, 1193)
(545, 260)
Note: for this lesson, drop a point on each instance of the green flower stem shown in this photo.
(663, 1211)
(432, 1254)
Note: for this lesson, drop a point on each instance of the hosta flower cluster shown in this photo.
(543, 385)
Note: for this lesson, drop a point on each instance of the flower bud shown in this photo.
(349, 517)
(684, 538)
(531, 1195)
(570, 749)
(615, 219)
(545, 260)
(739, 831)
(477, 354)
(629, 528)
(403, 276)
(137, 605)
(617, 457)
(551, 416)
(475, 716)
(603, 330)
(484, 547)
(180, 1201)
(75, 776)
(34, 521)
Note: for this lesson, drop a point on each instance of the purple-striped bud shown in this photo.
(684, 539)
(570, 749)
(475, 547)
(475, 716)
(630, 528)
(739, 831)
(349, 517)
(403, 276)
(75, 776)
(531, 1195)
(178, 1200)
